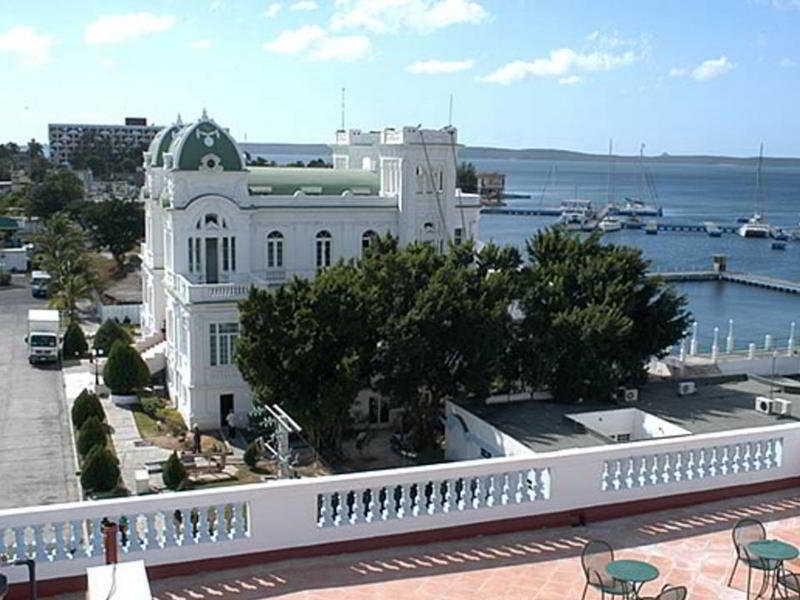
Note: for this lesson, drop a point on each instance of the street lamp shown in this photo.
(772, 376)
(97, 353)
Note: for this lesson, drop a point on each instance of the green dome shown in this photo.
(205, 146)
(161, 144)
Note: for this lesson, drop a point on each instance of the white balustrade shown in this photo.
(684, 465)
(422, 498)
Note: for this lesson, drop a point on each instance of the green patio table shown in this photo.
(774, 552)
(633, 572)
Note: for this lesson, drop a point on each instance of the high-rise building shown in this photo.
(69, 139)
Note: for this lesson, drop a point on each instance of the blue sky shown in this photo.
(682, 76)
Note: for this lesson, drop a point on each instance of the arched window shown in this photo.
(366, 163)
(324, 243)
(275, 250)
(366, 240)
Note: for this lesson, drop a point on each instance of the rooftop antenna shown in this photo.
(343, 109)
(450, 113)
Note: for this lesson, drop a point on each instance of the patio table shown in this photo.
(633, 572)
(774, 552)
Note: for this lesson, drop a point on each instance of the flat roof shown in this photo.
(544, 427)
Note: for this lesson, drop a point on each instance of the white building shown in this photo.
(215, 227)
(66, 139)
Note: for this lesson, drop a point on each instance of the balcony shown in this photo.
(555, 493)
(237, 287)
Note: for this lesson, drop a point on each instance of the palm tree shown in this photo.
(69, 290)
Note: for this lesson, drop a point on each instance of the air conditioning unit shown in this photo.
(687, 388)
(763, 405)
(626, 395)
(781, 407)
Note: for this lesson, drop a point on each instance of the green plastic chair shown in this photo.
(669, 593)
(595, 557)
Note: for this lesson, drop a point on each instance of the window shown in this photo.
(221, 341)
(441, 180)
(229, 254)
(458, 236)
(191, 257)
(224, 254)
(275, 250)
(366, 164)
(211, 219)
(324, 241)
(366, 240)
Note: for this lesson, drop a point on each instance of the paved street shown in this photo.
(37, 463)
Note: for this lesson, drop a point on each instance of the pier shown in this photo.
(762, 281)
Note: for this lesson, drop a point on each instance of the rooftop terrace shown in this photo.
(717, 407)
(689, 546)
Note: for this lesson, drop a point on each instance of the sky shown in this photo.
(681, 76)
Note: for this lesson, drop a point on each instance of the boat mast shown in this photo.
(610, 185)
(759, 194)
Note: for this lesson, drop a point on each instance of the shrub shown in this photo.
(151, 406)
(5, 278)
(173, 472)
(251, 455)
(74, 341)
(172, 419)
(110, 332)
(100, 471)
(91, 434)
(125, 371)
(86, 405)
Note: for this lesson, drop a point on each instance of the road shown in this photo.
(37, 464)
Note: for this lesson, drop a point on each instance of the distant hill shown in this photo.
(486, 152)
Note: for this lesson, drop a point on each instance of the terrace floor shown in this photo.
(690, 547)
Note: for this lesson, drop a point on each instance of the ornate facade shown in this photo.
(215, 227)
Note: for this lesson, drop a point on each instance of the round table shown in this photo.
(773, 551)
(634, 572)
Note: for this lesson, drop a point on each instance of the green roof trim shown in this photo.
(285, 181)
(204, 146)
(161, 144)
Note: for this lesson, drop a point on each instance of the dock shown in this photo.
(762, 281)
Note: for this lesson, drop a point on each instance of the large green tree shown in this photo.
(56, 192)
(301, 346)
(592, 317)
(116, 225)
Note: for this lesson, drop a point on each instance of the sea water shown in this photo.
(689, 193)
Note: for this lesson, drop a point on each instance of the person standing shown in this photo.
(197, 446)
(230, 419)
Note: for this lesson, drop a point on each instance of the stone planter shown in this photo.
(124, 399)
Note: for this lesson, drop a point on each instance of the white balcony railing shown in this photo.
(236, 288)
(196, 525)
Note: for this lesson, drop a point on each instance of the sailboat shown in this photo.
(636, 206)
(757, 226)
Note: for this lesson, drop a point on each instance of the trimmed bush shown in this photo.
(251, 455)
(125, 371)
(100, 471)
(151, 406)
(75, 344)
(86, 405)
(110, 331)
(173, 472)
(91, 434)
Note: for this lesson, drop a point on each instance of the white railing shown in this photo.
(170, 528)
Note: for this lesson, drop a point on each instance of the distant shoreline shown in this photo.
(485, 152)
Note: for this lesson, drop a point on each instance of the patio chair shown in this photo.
(746, 531)
(669, 593)
(790, 582)
(595, 558)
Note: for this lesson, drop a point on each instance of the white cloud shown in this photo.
(113, 29)
(29, 46)
(272, 10)
(571, 80)
(203, 44)
(712, 68)
(304, 5)
(562, 63)
(422, 16)
(318, 44)
(216, 5)
(787, 63)
(678, 72)
(107, 63)
(438, 67)
(341, 47)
